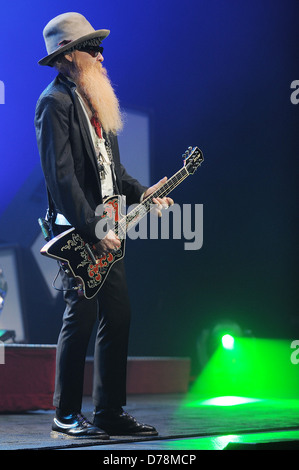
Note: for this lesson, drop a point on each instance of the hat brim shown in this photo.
(100, 33)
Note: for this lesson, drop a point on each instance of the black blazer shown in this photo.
(68, 158)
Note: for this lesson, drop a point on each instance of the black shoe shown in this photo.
(77, 426)
(116, 422)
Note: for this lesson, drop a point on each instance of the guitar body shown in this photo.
(80, 258)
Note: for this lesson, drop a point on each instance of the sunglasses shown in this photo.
(93, 51)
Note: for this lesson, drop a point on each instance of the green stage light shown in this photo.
(228, 341)
(228, 401)
(224, 333)
(258, 368)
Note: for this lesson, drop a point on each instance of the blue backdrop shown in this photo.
(209, 73)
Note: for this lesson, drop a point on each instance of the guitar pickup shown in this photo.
(89, 251)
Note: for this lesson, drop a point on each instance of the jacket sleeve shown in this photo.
(129, 186)
(52, 133)
(132, 189)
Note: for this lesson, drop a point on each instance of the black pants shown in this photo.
(112, 307)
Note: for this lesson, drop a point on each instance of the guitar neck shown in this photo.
(136, 214)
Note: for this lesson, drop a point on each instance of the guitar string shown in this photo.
(169, 185)
(174, 181)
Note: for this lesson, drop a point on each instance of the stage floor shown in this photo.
(183, 422)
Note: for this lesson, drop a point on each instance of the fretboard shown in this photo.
(136, 214)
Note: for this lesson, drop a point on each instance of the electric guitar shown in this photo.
(80, 259)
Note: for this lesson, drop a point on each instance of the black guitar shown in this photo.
(80, 257)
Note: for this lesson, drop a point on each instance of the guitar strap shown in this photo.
(110, 155)
(51, 213)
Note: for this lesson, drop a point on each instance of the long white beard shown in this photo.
(95, 87)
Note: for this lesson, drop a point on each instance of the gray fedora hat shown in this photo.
(66, 31)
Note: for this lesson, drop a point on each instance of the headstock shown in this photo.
(193, 158)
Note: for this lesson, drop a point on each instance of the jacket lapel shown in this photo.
(84, 126)
(85, 131)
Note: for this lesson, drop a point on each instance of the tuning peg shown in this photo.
(186, 154)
